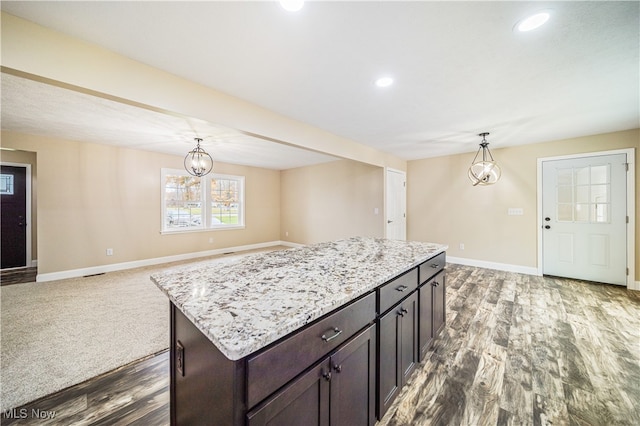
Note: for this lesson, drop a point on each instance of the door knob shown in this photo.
(389, 221)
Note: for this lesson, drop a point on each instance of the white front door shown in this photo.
(396, 193)
(585, 217)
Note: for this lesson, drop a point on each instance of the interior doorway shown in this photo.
(585, 208)
(396, 205)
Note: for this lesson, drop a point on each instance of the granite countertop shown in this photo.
(242, 304)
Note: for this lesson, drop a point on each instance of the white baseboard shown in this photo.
(635, 286)
(528, 270)
(74, 273)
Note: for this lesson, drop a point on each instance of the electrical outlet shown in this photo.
(109, 252)
(286, 234)
(461, 246)
(211, 240)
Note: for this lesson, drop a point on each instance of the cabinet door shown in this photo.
(353, 381)
(425, 327)
(389, 376)
(397, 351)
(439, 302)
(409, 336)
(305, 402)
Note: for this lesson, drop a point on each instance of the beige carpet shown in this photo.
(57, 334)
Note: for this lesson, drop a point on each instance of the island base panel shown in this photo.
(204, 383)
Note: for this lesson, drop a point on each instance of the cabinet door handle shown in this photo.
(327, 375)
(402, 288)
(336, 332)
(402, 311)
(337, 367)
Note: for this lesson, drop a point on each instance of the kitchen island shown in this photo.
(279, 336)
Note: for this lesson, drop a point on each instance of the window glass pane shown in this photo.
(565, 212)
(565, 194)
(600, 174)
(582, 175)
(225, 202)
(183, 202)
(582, 213)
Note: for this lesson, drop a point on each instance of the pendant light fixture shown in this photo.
(198, 162)
(486, 171)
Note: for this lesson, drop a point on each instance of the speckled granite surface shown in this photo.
(244, 304)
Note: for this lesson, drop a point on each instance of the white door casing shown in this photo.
(584, 218)
(396, 205)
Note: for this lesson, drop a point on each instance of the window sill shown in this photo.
(192, 230)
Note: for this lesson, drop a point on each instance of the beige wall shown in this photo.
(24, 157)
(331, 201)
(92, 197)
(443, 207)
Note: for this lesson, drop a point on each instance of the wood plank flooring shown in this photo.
(516, 350)
(18, 276)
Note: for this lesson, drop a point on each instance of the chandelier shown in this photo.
(198, 162)
(487, 171)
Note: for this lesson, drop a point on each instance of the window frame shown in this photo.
(206, 201)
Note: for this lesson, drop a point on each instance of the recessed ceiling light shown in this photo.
(384, 82)
(532, 22)
(292, 5)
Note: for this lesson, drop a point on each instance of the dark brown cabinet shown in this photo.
(398, 350)
(432, 311)
(345, 368)
(340, 390)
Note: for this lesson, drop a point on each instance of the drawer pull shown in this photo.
(402, 311)
(435, 265)
(336, 332)
(435, 284)
(402, 288)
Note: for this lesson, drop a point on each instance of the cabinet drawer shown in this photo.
(432, 266)
(397, 289)
(269, 370)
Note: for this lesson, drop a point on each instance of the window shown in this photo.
(191, 203)
(583, 194)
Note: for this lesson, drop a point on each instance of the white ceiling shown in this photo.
(459, 67)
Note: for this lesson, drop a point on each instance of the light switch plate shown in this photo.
(515, 211)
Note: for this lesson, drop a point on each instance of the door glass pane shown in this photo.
(6, 184)
(600, 174)
(582, 175)
(601, 213)
(565, 194)
(565, 212)
(565, 176)
(582, 213)
(599, 193)
(582, 194)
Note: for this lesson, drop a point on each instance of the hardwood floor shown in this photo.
(516, 350)
(18, 276)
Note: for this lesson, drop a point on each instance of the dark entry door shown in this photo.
(13, 216)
